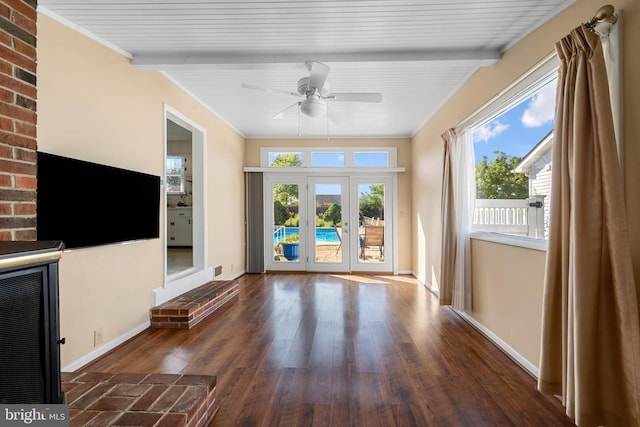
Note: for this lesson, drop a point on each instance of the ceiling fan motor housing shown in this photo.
(305, 89)
(303, 86)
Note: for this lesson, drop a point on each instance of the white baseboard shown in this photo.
(421, 279)
(424, 282)
(235, 276)
(73, 366)
(182, 285)
(517, 357)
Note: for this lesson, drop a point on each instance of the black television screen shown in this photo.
(89, 204)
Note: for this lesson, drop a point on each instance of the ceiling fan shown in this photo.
(314, 90)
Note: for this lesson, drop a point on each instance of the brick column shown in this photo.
(18, 119)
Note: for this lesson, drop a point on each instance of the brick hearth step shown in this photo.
(158, 400)
(186, 310)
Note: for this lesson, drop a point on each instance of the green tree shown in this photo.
(287, 160)
(280, 213)
(333, 214)
(372, 203)
(495, 179)
(287, 194)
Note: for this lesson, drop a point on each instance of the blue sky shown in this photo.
(518, 130)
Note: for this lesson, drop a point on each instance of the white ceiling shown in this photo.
(416, 53)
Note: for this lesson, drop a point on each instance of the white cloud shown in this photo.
(489, 131)
(541, 108)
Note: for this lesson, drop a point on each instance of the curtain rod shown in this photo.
(605, 14)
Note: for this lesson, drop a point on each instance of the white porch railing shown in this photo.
(522, 217)
(279, 233)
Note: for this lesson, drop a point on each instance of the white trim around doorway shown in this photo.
(200, 273)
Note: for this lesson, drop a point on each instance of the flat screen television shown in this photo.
(89, 204)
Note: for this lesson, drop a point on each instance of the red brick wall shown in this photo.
(18, 119)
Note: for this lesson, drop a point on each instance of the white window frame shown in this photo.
(524, 87)
(349, 153)
(181, 175)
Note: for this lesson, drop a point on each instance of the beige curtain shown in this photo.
(590, 349)
(458, 198)
(447, 264)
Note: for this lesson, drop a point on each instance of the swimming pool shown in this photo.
(323, 235)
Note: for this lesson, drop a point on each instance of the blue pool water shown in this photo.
(323, 235)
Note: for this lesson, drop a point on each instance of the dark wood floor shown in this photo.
(341, 350)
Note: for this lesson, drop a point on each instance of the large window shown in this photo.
(512, 149)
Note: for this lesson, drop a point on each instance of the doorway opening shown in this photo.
(179, 193)
(185, 254)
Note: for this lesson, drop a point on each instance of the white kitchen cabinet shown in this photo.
(179, 227)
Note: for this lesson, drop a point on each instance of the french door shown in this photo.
(328, 223)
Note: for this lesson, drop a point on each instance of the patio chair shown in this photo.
(373, 236)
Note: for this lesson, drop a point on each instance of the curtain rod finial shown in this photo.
(605, 13)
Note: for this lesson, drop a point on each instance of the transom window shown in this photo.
(320, 157)
(327, 159)
(371, 159)
(284, 159)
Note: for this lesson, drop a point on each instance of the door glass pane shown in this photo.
(328, 223)
(286, 230)
(371, 222)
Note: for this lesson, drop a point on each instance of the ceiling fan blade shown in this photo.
(355, 97)
(269, 90)
(287, 111)
(318, 74)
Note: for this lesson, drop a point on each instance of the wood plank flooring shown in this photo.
(343, 350)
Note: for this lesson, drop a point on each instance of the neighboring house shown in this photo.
(536, 164)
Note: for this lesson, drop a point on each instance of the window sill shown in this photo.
(505, 239)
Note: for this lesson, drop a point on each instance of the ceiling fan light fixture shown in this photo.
(313, 106)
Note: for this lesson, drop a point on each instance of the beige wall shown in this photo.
(93, 105)
(252, 158)
(427, 179)
(506, 295)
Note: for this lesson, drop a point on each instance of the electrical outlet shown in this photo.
(97, 337)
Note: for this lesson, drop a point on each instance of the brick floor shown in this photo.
(155, 400)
